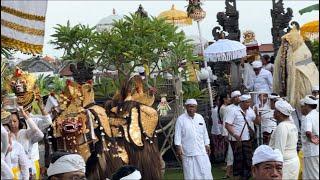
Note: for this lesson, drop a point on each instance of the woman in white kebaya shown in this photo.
(17, 158)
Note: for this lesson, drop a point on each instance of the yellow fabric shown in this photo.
(300, 154)
(16, 173)
(191, 68)
(175, 17)
(37, 166)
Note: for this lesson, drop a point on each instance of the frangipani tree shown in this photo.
(132, 42)
(136, 41)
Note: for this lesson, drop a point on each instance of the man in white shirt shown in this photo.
(268, 123)
(234, 104)
(192, 143)
(239, 123)
(267, 65)
(262, 80)
(285, 138)
(310, 137)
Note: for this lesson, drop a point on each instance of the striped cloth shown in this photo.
(242, 158)
(23, 25)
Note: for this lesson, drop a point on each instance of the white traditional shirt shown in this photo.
(6, 172)
(268, 67)
(18, 160)
(268, 123)
(262, 82)
(42, 122)
(4, 141)
(235, 118)
(310, 123)
(223, 116)
(285, 138)
(191, 134)
(216, 126)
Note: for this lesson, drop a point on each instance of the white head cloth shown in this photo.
(136, 175)
(302, 102)
(308, 100)
(284, 107)
(235, 93)
(67, 163)
(191, 102)
(256, 64)
(265, 153)
(245, 97)
(270, 96)
(315, 88)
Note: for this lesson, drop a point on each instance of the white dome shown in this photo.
(106, 23)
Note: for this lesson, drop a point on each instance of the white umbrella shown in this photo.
(107, 22)
(225, 50)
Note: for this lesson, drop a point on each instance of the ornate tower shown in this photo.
(280, 23)
(229, 21)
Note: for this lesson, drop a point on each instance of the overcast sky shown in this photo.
(254, 15)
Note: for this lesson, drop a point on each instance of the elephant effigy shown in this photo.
(122, 133)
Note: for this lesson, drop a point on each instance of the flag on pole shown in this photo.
(23, 25)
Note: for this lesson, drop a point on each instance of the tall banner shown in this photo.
(23, 25)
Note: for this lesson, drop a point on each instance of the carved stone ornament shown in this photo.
(229, 21)
(280, 23)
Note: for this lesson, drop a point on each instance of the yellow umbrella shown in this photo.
(310, 29)
(176, 17)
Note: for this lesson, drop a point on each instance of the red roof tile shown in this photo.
(266, 48)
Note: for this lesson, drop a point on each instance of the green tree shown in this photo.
(143, 41)
(314, 48)
(78, 43)
(133, 41)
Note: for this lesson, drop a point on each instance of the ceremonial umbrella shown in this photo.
(225, 50)
(176, 17)
(310, 29)
(107, 22)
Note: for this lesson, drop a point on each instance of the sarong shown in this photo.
(311, 167)
(291, 169)
(218, 148)
(242, 158)
(196, 167)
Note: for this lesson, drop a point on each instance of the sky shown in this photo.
(254, 15)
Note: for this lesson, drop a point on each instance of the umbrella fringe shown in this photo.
(226, 56)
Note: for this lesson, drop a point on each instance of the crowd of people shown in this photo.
(254, 133)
